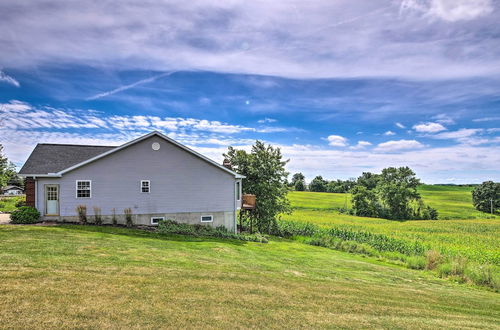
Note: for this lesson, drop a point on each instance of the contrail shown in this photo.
(123, 88)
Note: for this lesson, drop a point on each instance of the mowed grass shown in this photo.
(478, 240)
(103, 277)
(452, 202)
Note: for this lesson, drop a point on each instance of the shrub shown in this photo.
(173, 227)
(483, 275)
(97, 216)
(128, 217)
(458, 266)
(434, 258)
(113, 218)
(416, 262)
(20, 203)
(25, 215)
(444, 270)
(82, 213)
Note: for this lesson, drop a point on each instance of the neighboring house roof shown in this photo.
(51, 158)
(66, 163)
(12, 187)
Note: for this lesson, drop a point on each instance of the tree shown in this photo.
(297, 177)
(397, 188)
(392, 194)
(486, 197)
(265, 173)
(318, 184)
(7, 169)
(364, 202)
(368, 180)
(300, 186)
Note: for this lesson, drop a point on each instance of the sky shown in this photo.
(342, 87)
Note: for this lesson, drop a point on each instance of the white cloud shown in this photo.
(8, 79)
(389, 133)
(457, 10)
(444, 119)
(400, 125)
(361, 145)
(267, 121)
(429, 128)
(478, 120)
(398, 145)
(324, 39)
(337, 141)
(460, 134)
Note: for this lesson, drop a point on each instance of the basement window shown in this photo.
(83, 189)
(145, 186)
(156, 220)
(207, 218)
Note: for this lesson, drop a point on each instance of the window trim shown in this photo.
(90, 188)
(149, 187)
(238, 190)
(207, 215)
(162, 219)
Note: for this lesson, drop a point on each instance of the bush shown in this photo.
(173, 227)
(82, 213)
(434, 258)
(113, 218)
(97, 216)
(20, 203)
(483, 275)
(25, 214)
(416, 262)
(128, 217)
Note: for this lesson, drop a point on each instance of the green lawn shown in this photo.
(8, 204)
(478, 240)
(102, 277)
(452, 202)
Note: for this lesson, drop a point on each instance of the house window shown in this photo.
(145, 186)
(207, 218)
(156, 220)
(238, 191)
(83, 188)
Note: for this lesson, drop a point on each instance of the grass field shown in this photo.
(478, 240)
(8, 204)
(103, 277)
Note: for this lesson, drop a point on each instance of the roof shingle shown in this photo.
(51, 158)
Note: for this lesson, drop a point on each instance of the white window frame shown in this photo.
(90, 188)
(149, 187)
(207, 215)
(161, 219)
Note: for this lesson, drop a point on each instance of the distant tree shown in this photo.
(297, 177)
(265, 173)
(364, 202)
(394, 196)
(486, 197)
(318, 184)
(300, 186)
(340, 186)
(7, 169)
(368, 180)
(397, 189)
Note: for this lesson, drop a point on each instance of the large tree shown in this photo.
(486, 197)
(265, 173)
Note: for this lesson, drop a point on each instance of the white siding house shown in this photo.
(155, 176)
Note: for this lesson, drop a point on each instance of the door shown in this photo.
(52, 199)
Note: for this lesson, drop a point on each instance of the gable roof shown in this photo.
(49, 158)
(12, 187)
(103, 152)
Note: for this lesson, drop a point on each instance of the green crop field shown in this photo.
(103, 277)
(478, 239)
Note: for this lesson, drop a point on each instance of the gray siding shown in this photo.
(180, 183)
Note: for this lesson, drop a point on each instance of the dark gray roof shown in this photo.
(51, 158)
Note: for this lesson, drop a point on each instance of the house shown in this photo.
(155, 176)
(12, 190)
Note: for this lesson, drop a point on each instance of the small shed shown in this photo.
(12, 190)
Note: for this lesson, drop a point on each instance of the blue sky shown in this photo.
(341, 87)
